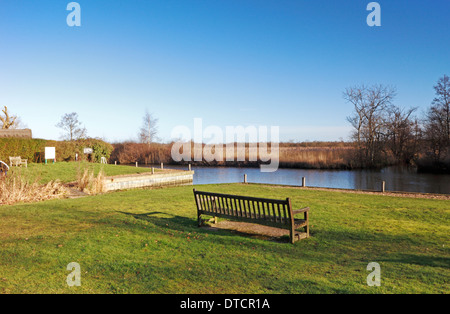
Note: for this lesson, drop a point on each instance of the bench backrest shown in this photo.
(264, 209)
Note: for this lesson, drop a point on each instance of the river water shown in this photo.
(396, 178)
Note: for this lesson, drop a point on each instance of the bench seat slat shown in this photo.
(269, 219)
(236, 213)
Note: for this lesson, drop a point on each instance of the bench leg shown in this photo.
(292, 235)
(199, 218)
(307, 224)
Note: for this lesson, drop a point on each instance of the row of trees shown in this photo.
(385, 133)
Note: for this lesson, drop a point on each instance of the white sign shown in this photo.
(50, 153)
(88, 150)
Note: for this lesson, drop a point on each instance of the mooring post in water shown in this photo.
(153, 170)
(189, 167)
(303, 182)
(383, 186)
(162, 166)
(245, 178)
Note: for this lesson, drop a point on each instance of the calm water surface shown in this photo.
(397, 178)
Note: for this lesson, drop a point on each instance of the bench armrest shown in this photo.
(299, 211)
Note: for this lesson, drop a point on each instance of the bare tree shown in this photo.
(403, 134)
(371, 105)
(149, 130)
(72, 127)
(437, 121)
(8, 121)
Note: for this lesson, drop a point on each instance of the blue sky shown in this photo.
(229, 62)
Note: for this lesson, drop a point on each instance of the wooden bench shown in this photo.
(17, 161)
(268, 212)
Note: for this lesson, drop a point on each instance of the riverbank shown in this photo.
(40, 181)
(396, 178)
(430, 196)
(67, 172)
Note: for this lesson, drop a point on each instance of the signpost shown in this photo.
(50, 153)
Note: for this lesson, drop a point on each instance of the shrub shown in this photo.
(100, 149)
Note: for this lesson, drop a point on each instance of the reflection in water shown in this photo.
(397, 178)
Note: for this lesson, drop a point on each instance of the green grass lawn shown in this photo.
(67, 171)
(147, 241)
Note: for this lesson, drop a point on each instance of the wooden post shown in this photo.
(162, 166)
(136, 164)
(245, 178)
(383, 186)
(303, 182)
(189, 167)
(153, 170)
(115, 163)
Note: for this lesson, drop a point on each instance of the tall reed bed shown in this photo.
(315, 155)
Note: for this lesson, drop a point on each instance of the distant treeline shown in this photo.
(306, 155)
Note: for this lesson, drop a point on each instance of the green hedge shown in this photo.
(25, 148)
(33, 149)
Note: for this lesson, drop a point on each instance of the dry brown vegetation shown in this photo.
(16, 189)
(318, 155)
(129, 152)
(88, 183)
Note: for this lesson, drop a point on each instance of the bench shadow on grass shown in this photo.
(224, 227)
